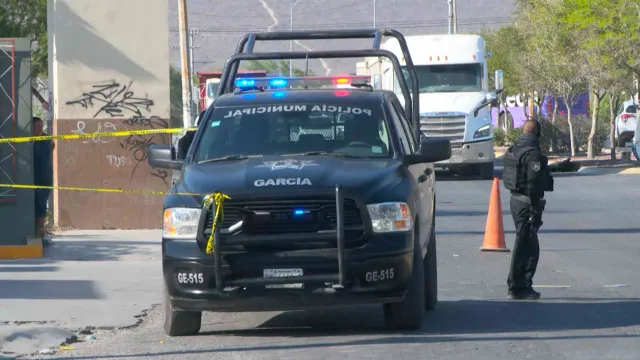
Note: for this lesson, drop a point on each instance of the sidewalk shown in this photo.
(101, 279)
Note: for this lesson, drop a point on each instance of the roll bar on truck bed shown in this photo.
(244, 51)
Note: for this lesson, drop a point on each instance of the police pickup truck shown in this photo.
(308, 220)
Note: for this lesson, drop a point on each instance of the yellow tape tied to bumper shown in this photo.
(218, 199)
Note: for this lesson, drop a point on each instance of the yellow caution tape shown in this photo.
(102, 190)
(218, 198)
(93, 135)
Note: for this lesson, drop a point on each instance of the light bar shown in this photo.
(281, 82)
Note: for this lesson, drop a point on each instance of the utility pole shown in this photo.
(187, 120)
(450, 16)
(291, 42)
(454, 16)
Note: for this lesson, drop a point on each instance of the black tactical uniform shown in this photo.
(527, 177)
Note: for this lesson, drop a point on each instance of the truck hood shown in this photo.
(276, 174)
(450, 102)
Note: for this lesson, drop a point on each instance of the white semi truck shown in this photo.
(454, 95)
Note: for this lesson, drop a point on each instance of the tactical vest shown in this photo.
(513, 177)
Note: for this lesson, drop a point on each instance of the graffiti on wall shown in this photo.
(107, 126)
(112, 99)
(138, 145)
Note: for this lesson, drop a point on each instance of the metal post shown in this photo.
(342, 256)
(374, 14)
(291, 41)
(450, 16)
(191, 66)
(184, 57)
(192, 70)
(454, 16)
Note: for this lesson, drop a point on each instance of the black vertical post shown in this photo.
(218, 256)
(340, 232)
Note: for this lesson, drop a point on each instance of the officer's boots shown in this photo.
(524, 294)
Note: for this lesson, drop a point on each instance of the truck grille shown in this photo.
(451, 127)
(279, 217)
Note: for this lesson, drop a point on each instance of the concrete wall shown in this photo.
(16, 205)
(109, 70)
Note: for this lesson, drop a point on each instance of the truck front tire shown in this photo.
(431, 272)
(408, 314)
(179, 323)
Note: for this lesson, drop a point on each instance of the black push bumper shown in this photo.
(378, 280)
(376, 272)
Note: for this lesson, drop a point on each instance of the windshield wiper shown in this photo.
(312, 153)
(229, 158)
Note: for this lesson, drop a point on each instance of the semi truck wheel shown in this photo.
(408, 314)
(486, 171)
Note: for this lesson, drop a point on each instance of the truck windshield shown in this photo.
(343, 129)
(447, 78)
(212, 88)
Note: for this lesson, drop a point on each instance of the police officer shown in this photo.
(527, 177)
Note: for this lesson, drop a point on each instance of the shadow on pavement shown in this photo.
(553, 231)
(49, 289)
(453, 321)
(98, 250)
(484, 212)
(27, 269)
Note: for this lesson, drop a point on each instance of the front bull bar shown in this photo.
(340, 277)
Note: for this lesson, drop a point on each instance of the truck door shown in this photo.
(425, 188)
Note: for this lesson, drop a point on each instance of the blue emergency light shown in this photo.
(245, 83)
(278, 82)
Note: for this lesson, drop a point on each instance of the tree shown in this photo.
(609, 33)
(558, 61)
(504, 43)
(28, 19)
(175, 97)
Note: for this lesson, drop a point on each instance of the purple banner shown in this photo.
(518, 109)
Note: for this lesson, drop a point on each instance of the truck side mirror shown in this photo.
(160, 156)
(499, 77)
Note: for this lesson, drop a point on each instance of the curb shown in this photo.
(610, 170)
(33, 250)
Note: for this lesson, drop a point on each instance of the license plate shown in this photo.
(280, 273)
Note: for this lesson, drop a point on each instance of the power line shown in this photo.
(316, 11)
(399, 25)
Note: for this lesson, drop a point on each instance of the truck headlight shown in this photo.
(484, 131)
(390, 217)
(180, 223)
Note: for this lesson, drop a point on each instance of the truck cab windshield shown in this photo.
(307, 128)
(212, 88)
(447, 78)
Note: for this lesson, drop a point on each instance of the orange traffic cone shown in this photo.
(494, 231)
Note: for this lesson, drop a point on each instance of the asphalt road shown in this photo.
(587, 275)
